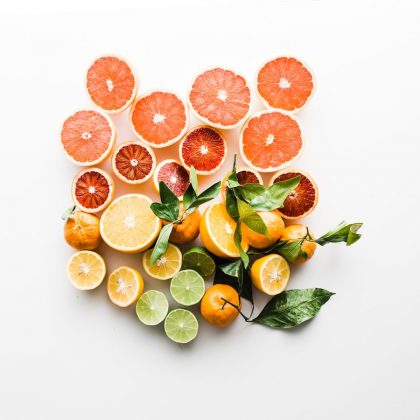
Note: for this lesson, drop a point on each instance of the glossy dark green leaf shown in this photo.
(207, 195)
(231, 204)
(292, 307)
(164, 211)
(251, 218)
(161, 244)
(170, 200)
(189, 197)
(342, 233)
(238, 239)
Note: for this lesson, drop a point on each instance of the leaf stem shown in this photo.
(237, 308)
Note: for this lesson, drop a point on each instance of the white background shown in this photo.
(66, 354)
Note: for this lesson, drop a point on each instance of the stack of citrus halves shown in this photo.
(220, 98)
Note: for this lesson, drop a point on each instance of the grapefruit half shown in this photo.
(174, 175)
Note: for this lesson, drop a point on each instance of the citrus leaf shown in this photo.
(237, 237)
(164, 212)
(231, 204)
(189, 196)
(292, 307)
(251, 218)
(193, 179)
(207, 195)
(342, 233)
(161, 244)
(166, 195)
(68, 214)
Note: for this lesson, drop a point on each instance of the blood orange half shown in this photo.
(303, 199)
(284, 83)
(92, 190)
(174, 175)
(111, 83)
(204, 148)
(133, 162)
(270, 140)
(159, 118)
(220, 98)
(87, 137)
(245, 175)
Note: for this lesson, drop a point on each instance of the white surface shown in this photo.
(65, 354)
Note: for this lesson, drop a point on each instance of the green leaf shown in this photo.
(238, 239)
(342, 233)
(207, 195)
(291, 250)
(231, 204)
(165, 211)
(189, 197)
(168, 198)
(251, 218)
(161, 244)
(68, 214)
(232, 180)
(292, 307)
(193, 179)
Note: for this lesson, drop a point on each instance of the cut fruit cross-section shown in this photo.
(270, 140)
(245, 175)
(174, 175)
(159, 118)
(92, 190)
(204, 148)
(152, 307)
(125, 285)
(133, 162)
(166, 266)
(86, 270)
(187, 287)
(220, 98)
(87, 137)
(181, 326)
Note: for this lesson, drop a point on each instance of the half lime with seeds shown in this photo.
(187, 287)
(181, 326)
(152, 307)
(198, 259)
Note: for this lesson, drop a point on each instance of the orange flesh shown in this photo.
(86, 136)
(110, 83)
(175, 177)
(285, 83)
(302, 199)
(220, 96)
(159, 117)
(204, 149)
(92, 189)
(271, 140)
(134, 162)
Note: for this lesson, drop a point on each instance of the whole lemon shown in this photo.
(81, 231)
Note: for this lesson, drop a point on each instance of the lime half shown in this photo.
(181, 326)
(198, 259)
(187, 287)
(152, 307)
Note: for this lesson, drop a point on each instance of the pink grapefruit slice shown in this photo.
(92, 190)
(204, 148)
(87, 137)
(174, 175)
(159, 118)
(303, 199)
(270, 140)
(285, 83)
(111, 83)
(220, 98)
(133, 162)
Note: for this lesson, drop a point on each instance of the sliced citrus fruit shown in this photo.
(204, 148)
(125, 285)
(133, 162)
(270, 140)
(284, 83)
(220, 98)
(166, 266)
(159, 118)
(152, 307)
(174, 175)
(270, 274)
(181, 326)
(86, 270)
(111, 83)
(92, 190)
(217, 230)
(187, 287)
(128, 224)
(245, 175)
(87, 137)
(198, 259)
(303, 199)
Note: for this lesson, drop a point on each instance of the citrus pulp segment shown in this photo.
(125, 285)
(129, 225)
(220, 98)
(204, 148)
(270, 140)
(152, 307)
(174, 175)
(245, 175)
(133, 162)
(198, 259)
(86, 270)
(111, 83)
(181, 326)
(187, 287)
(303, 199)
(284, 83)
(87, 137)
(166, 266)
(159, 118)
(92, 190)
